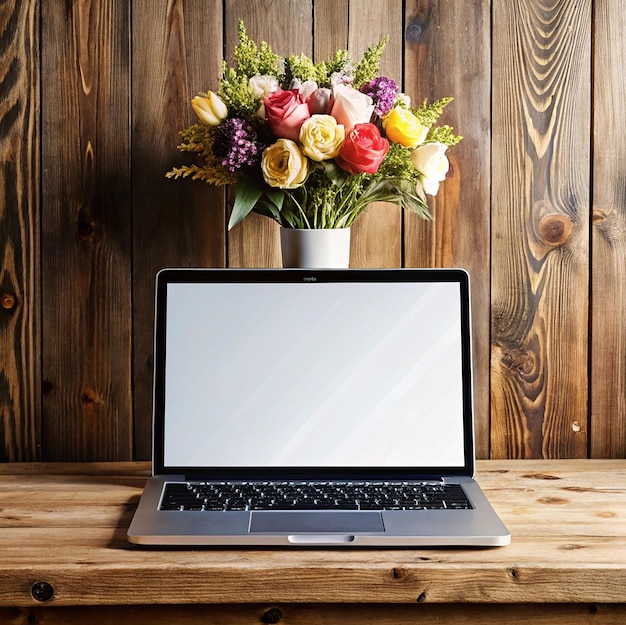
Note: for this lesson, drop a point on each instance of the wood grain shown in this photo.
(86, 231)
(176, 55)
(234, 614)
(93, 95)
(442, 60)
(20, 319)
(608, 331)
(66, 525)
(540, 206)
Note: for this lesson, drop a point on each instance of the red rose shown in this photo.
(363, 150)
(285, 113)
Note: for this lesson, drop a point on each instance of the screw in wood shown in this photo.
(42, 591)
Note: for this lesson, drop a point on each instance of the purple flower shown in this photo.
(383, 92)
(236, 143)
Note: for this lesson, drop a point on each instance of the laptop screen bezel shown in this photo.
(168, 276)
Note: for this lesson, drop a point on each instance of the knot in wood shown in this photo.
(555, 229)
(414, 31)
(85, 229)
(89, 396)
(8, 301)
(273, 615)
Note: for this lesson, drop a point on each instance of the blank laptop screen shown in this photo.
(299, 374)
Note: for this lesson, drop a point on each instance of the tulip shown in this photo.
(211, 110)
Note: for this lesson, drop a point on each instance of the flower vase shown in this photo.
(326, 248)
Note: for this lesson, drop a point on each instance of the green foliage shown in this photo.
(397, 164)
(443, 134)
(301, 67)
(251, 59)
(428, 114)
(368, 67)
(199, 139)
(236, 94)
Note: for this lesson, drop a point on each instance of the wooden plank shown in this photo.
(176, 55)
(608, 331)
(442, 61)
(567, 520)
(20, 321)
(540, 206)
(312, 614)
(86, 231)
(377, 234)
(286, 26)
(330, 28)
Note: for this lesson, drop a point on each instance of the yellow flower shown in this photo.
(284, 165)
(321, 137)
(211, 110)
(402, 127)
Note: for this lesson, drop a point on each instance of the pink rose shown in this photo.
(363, 150)
(285, 113)
(351, 107)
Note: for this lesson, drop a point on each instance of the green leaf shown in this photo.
(247, 194)
(276, 197)
(334, 173)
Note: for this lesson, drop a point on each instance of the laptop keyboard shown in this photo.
(224, 496)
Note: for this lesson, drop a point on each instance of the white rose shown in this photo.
(260, 86)
(431, 162)
(351, 107)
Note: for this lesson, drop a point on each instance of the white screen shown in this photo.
(322, 375)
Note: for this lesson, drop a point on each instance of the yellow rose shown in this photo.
(402, 127)
(211, 110)
(321, 137)
(284, 165)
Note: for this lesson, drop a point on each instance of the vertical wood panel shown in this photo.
(86, 230)
(20, 366)
(608, 346)
(81, 239)
(177, 53)
(540, 206)
(330, 28)
(286, 25)
(448, 54)
(377, 233)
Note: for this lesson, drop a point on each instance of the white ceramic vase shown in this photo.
(327, 248)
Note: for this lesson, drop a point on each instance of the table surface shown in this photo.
(64, 525)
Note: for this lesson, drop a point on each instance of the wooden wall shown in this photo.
(93, 93)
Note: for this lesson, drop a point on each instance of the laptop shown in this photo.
(301, 408)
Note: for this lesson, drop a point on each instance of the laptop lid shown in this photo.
(317, 374)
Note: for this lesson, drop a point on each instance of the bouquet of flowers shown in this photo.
(312, 144)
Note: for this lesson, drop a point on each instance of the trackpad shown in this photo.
(315, 522)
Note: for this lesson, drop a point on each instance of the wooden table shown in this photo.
(64, 558)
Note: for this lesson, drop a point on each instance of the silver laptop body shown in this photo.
(313, 408)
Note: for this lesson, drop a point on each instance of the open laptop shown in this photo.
(313, 407)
